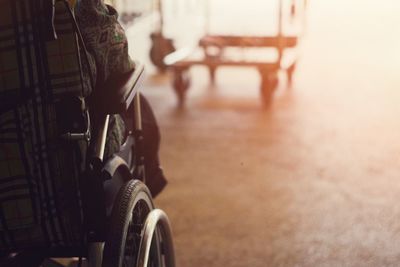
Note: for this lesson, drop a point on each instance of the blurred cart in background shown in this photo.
(215, 50)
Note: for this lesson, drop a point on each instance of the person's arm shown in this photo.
(105, 38)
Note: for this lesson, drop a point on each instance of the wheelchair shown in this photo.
(59, 196)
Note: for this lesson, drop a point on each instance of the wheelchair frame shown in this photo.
(156, 219)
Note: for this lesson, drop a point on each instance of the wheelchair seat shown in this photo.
(52, 171)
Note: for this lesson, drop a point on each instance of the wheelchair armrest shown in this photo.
(116, 94)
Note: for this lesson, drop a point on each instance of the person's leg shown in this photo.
(155, 179)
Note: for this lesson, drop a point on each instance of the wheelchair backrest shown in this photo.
(41, 86)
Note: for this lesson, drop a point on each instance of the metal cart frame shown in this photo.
(213, 56)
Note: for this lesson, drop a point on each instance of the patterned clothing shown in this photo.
(104, 38)
(108, 55)
(108, 49)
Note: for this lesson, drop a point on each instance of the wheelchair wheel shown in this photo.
(156, 229)
(131, 208)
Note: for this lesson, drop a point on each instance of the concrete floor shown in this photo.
(314, 180)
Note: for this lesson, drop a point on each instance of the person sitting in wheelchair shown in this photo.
(107, 47)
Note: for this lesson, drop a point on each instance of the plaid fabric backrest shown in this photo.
(39, 204)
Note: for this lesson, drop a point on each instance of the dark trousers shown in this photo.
(118, 128)
(155, 179)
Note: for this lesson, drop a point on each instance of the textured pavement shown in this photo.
(314, 180)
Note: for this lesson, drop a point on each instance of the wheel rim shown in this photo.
(156, 226)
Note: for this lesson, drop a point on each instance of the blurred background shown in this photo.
(311, 178)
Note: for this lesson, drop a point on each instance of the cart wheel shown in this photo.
(290, 72)
(160, 48)
(131, 208)
(269, 83)
(181, 84)
(212, 70)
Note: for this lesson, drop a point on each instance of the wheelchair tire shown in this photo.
(156, 227)
(128, 216)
